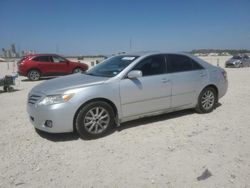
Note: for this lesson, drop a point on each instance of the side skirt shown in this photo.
(155, 113)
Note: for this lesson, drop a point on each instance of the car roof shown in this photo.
(33, 55)
(145, 54)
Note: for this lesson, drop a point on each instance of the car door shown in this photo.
(187, 78)
(43, 64)
(149, 93)
(59, 65)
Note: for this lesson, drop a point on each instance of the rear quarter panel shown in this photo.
(216, 78)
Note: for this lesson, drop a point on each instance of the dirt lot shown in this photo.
(165, 151)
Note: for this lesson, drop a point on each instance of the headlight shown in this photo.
(236, 62)
(55, 99)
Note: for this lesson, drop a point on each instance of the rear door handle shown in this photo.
(165, 80)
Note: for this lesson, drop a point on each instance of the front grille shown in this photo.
(33, 99)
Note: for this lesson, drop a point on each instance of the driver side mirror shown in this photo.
(134, 74)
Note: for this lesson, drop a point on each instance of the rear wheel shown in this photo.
(207, 100)
(10, 89)
(34, 75)
(95, 120)
(240, 65)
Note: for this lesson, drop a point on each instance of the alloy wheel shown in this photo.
(207, 100)
(96, 120)
(77, 70)
(34, 75)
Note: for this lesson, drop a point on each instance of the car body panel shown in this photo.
(138, 96)
(186, 94)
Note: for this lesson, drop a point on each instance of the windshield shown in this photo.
(112, 66)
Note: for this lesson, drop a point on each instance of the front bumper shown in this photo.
(231, 65)
(61, 115)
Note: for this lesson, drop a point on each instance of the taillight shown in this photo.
(224, 73)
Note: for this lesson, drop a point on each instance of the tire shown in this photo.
(10, 89)
(77, 70)
(34, 75)
(5, 88)
(207, 100)
(95, 120)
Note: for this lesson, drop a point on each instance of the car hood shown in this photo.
(74, 81)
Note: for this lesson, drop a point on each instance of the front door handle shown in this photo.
(202, 74)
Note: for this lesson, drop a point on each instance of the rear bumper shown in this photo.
(223, 88)
(22, 71)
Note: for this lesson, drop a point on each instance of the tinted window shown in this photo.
(180, 63)
(236, 57)
(152, 65)
(196, 66)
(42, 59)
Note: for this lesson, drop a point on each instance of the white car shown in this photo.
(123, 88)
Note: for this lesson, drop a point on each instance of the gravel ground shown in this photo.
(171, 150)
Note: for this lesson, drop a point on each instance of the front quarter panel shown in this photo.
(109, 91)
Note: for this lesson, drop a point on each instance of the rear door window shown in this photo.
(42, 59)
(181, 63)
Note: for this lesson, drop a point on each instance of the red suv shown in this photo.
(38, 65)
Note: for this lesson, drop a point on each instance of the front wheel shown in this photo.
(95, 120)
(207, 100)
(34, 75)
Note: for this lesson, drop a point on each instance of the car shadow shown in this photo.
(14, 90)
(41, 79)
(153, 119)
(58, 137)
(157, 118)
(217, 105)
(62, 137)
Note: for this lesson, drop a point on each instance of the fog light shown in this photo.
(48, 123)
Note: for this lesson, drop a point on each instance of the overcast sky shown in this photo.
(74, 27)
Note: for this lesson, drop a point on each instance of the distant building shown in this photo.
(12, 53)
(2, 60)
(213, 54)
(225, 54)
(13, 48)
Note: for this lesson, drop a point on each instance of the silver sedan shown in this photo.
(124, 88)
(238, 61)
